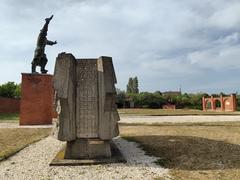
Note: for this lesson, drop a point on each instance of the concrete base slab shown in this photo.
(116, 157)
(87, 149)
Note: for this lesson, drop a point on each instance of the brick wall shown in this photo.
(228, 103)
(9, 105)
(36, 99)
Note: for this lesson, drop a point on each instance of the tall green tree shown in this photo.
(135, 85)
(130, 85)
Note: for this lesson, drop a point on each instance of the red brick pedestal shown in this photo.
(36, 99)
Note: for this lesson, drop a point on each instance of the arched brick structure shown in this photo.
(227, 103)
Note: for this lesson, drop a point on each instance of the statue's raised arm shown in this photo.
(40, 58)
(45, 27)
(49, 19)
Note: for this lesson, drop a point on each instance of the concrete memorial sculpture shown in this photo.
(88, 117)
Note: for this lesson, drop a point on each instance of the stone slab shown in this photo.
(87, 148)
(116, 157)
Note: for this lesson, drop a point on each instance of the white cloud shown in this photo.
(226, 18)
(217, 58)
(169, 41)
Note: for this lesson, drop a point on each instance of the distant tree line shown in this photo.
(141, 100)
(157, 99)
(10, 90)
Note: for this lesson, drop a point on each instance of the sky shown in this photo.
(165, 43)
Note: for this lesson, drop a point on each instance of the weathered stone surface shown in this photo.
(87, 149)
(108, 115)
(116, 157)
(86, 89)
(87, 99)
(64, 84)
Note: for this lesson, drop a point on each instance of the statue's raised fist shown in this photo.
(49, 19)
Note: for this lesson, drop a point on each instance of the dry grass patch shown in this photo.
(13, 140)
(169, 112)
(191, 152)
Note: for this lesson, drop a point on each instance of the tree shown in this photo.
(135, 85)
(18, 91)
(132, 86)
(10, 90)
(222, 94)
(158, 93)
(147, 100)
(120, 98)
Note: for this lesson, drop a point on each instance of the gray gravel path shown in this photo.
(174, 119)
(33, 163)
(149, 120)
(16, 125)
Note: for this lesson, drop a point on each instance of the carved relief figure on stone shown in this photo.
(40, 58)
(88, 117)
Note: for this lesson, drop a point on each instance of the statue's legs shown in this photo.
(43, 64)
(34, 65)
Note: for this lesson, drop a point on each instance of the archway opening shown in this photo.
(208, 105)
(218, 104)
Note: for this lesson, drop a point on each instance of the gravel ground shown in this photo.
(16, 125)
(33, 163)
(147, 120)
(160, 119)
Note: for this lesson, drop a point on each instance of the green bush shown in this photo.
(10, 90)
(157, 99)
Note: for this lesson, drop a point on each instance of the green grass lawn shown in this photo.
(193, 151)
(166, 112)
(9, 116)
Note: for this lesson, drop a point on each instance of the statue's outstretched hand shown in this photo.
(51, 42)
(49, 19)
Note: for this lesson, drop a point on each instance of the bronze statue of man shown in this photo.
(40, 58)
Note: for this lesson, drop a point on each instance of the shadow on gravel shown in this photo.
(190, 153)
